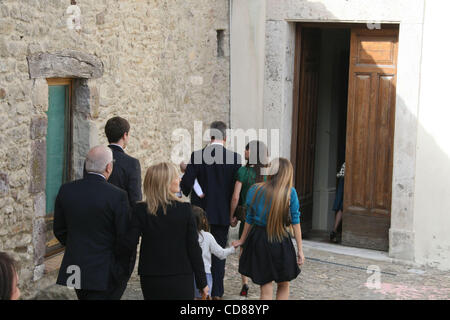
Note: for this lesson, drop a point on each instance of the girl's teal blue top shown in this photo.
(255, 214)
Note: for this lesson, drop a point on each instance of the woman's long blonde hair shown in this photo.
(157, 181)
(277, 191)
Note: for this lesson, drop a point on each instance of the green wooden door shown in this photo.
(57, 153)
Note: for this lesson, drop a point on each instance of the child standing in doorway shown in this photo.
(209, 246)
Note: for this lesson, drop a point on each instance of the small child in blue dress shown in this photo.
(209, 246)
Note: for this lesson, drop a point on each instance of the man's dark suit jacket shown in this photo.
(91, 220)
(169, 244)
(215, 168)
(126, 174)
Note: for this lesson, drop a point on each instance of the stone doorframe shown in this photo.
(272, 26)
(83, 69)
(279, 53)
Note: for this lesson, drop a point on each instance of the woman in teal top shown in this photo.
(268, 252)
(246, 176)
(257, 215)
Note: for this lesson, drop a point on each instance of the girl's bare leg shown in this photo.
(266, 291)
(283, 291)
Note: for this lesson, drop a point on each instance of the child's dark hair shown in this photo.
(7, 274)
(200, 219)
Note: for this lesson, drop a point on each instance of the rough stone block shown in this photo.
(38, 128)
(4, 185)
(100, 18)
(38, 272)
(38, 166)
(39, 240)
(39, 94)
(65, 64)
(39, 205)
(401, 244)
(82, 95)
(94, 102)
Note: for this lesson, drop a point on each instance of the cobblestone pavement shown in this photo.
(327, 275)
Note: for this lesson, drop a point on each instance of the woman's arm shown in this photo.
(298, 239)
(234, 202)
(245, 232)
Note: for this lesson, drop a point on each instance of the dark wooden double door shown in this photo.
(369, 136)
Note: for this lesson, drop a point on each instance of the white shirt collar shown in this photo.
(97, 174)
(219, 143)
(117, 145)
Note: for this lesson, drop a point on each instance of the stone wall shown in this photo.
(161, 69)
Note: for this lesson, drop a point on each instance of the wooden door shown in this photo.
(58, 153)
(370, 132)
(306, 90)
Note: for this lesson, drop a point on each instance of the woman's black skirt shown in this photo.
(264, 261)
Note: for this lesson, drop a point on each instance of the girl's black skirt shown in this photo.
(264, 261)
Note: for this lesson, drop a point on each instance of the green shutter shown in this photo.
(58, 97)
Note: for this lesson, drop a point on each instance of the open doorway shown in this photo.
(344, 110)
(330, 129)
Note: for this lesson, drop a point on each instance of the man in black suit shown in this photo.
(91, 220)
(127, 170)
(215, 168)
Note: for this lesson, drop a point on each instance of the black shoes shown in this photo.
(244, 291)
(333, 237)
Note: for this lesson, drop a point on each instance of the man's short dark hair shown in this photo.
(218, 130)
(115, 128)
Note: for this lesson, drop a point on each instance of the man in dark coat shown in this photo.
(91, 220)
(215, 168)
(127, 170)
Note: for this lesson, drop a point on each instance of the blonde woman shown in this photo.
(170, 254)
(268, 252)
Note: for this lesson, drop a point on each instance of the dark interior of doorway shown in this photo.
(330, 128)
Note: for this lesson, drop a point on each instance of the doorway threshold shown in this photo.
(349, 251)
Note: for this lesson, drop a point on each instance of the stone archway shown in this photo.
(83, 69)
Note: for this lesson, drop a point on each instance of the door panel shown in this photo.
(305, 119)
(58, 152)
(370, 132)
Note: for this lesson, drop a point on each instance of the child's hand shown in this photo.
(236, 243)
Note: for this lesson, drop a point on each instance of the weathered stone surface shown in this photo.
(39, 240)
(38, 128)
(39, 205)
(38, 166)
(81, 99)
(100, 18)
(39, 94)
(2, 93)
(65, 64)
(4, 185)
(38, 272)
(94, 102)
